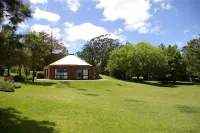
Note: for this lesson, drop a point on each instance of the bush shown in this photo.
(19, 78)
(6, 86)
(16, 86)
(136, 79)
(40, 75)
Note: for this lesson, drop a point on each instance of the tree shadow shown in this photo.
(82, 89)
(187, 109)
(12, 122)
(65, 82)
(118, 84)
(40, 83)
(132, 100)
(90, 94)
(158, 84)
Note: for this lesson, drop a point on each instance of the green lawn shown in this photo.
(109, 106)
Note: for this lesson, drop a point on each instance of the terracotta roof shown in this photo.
(71, 60)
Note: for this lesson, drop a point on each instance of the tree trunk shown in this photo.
(26, 72)
(33, 71)
(8, 70)
(33, 75)
(20, 70)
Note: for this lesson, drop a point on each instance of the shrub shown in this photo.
(16, 86)
(19, 78)
(40, 75)
(7, 86)
(136, 79)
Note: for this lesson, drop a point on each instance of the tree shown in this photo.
(150, 60)
(11, 49)
(97, 51)
(192, 57)
(36, 50)
(141, 59)
(121, 61)
(174, 60)
(14, 11)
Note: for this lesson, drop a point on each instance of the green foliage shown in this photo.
(19, 78)
(141, 59)
(40, 75)
(97, 51)
(6, 86)
(192, 57)
(121, 61)
(14, 11)
(37, 49)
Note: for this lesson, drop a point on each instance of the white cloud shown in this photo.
(143, 30)
(47, 29)
(87, 31)
(186, 31)
(195, 36)
(155, 30)
(41, 14)
(73, 5)
(157, 1)
(39, 1)
(22, 25)
(166, 6)
(66, 44)
(156, 9)
(118, 31)
(69, 24)
(135, 13)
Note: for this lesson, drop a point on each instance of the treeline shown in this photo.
(164, 63)
(33, 50)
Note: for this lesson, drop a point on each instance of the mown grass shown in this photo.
(110, 106)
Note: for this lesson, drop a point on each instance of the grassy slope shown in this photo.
(100, 106)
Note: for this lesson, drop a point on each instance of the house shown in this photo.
(69, 68)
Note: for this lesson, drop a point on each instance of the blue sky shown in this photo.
(154, 21)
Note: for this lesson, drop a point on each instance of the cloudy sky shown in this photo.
(154, 21)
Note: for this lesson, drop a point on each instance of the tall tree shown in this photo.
(11, 49)
(97, 51)
(56, 48)
(192, 57)
(36, 49)
(174, 59)
(121, 62)
(14, 11)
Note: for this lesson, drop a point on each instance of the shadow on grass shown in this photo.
(11, 122)
(160, 84)
(132, 100)
(187, 109)
(90, 94)
(118, 84)
(108, 90)
(40, 83)
(65, 82)
(82, 89)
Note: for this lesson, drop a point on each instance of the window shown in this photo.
(82, 74)
(61, 74)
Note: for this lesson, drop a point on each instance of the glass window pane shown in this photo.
(60, 73)
(85, 77)
(85, 72)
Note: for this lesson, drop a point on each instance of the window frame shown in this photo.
(82, 69)
(61, 74)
